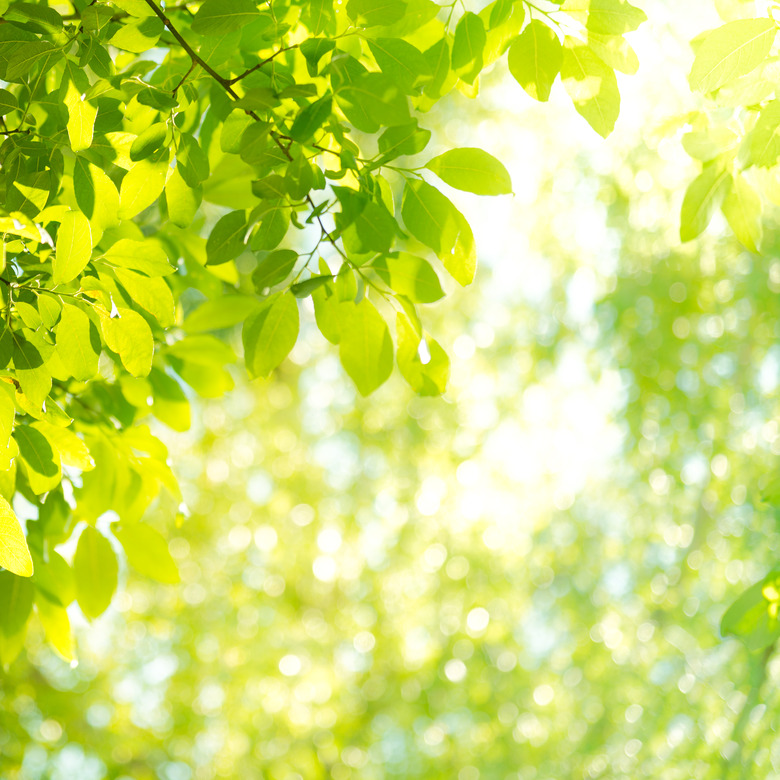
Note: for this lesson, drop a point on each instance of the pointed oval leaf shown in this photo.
(95, 572)
(14, 553)
(74, 247)
(472, 170)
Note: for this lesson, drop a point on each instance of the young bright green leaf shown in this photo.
(402, 140)
(95, 570)
(96, 196)
(151, 294)
(72, 450)
(425, 367)
(14, 553)
(432, 218)
(274, 268)
(31, 369)
(703, 196)
(409, 275)
(146, 257)
(311, 119)
(270, 333)
(607, 17)
(468, 47)
(78, 343)
(401, 62)
(371, 13)
(56, 626)
(226, 241)
(16, 596)
(74, 247)
(750, 618)
(365, 347)
(182, 200)
(472, 170)
(615, 51)
(217, 17)
(763, 141)
(731, 51)
(149, 141)
(592, 86)
(130, 336)
(41, 459)
(81, 119)
(147, 552)
(221, 313)
(742, 208)
(141, 186)
(535, 58)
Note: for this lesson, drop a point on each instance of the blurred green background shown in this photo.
(521, 580)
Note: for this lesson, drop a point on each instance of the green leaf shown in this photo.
(615, 51)
(274, 268)
(146, 257)
(56, 626)
(220, 313)
(468, 47)
(81, 119)
(731, 51)
(151, 294)
(95, 571)
(150, 141)
(226, 241)
(404, 139)
(372, 101)
(78, 343)
(129, 335)
(41, 460)
(270, 333)
(147, 552)
(31, 370)
(218, 17)
(472, 170)
(592, 86)
(16, 596)
(139, 36)
(703, 196)
(96, 196)
(431, 218)
(742, 208)
(535, 59)
(607, 17)
(141, 186)
(14, 553)
(311, 119)
(763, 141)
(7, 102)
(401, 62)
(74, 247)
(409, 275)
(372, 13)
(182, 200)
(428, 376)
(305, 288)
(365, 347)
(753, 617)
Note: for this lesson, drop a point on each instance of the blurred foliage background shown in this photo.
(521, 580)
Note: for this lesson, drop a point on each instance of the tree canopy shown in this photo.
(189, 192)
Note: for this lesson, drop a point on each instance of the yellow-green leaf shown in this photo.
(14, 553)
(74, 247)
